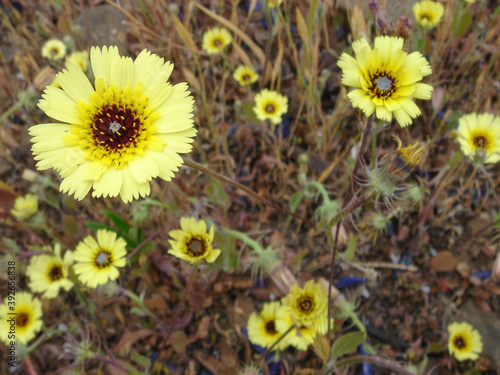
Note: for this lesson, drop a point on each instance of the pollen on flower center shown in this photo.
(305, 304)
(271, 328)
(21, 319)
(56, 273)
(115, 128)
(103, 259)
(217, 42)
(384, 83)
(245, 77)
(459, 342)
(480, 142)
(196, 247)
(270, 108)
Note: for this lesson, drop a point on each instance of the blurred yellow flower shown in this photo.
(270, 105)
(192, 242)
(54, 49)
(49, 273)
(216, 39)
(465, 342)
(274, 3)
(245, 75)
(80, 58)
(98, 260)
(25, 207)
(385, 79)
(428, 13)
(479, 137)
(262, 328)
(26, 312)
(114, 138)
(308, 306)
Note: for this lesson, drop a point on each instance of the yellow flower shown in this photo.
(98, 260)
(80, 58)
(274, 3)
(245, 75)
(479, 137)
(308, 307)
(216, 39)
(428, 13)
(49, 273)
(385, 79)
(54, 49)
(117, 137)
(270, 105)
(25, 207)
(192, 242)
(20, 315)
(465, 342)
(300, 337)
(262, 328)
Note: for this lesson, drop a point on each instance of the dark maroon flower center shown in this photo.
(382, 85)
(115, 128)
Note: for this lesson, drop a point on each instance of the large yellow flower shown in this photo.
(385, 79)
(117, 136)
(262, 328)
(270, 105)
(192, 242)
(98, 260)
(20, 318)
(49, 273)
(54, 49)
(25, 207)
(465, 342)
(216, 39)
(308, 307)
(479, 137)
(428, 13)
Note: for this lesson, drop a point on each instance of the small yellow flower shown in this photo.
(54, 49)
(49, 273)
(385, 79)
(300, 337)
(479, 137)
(274, 3)
(26, 312)
(192, 242)
(465, 342)
(245, 75)
(428, 13)
(262, 328)
(98, 260)
(216, 39)
(308, 307)
(270, 105)
(25, 207)
(80, 58)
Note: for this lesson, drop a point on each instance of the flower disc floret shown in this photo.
(245, 75)
(192, 242)
(49, 273)
(479, 137)
(216, 40)
(270, 105)
(115, 137)
(428, 13)
(98, 261)
(262, 329)
(308, 306)
(385, 79)
(54, 49)
(27, 312)
(465, 342)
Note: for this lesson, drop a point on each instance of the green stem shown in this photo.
(10, 111)
(245, 239)
(192, 164)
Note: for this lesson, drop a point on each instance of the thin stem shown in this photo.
(141, 245)
(268, 350)
(191, 163)
(347, 197)
(377, 361)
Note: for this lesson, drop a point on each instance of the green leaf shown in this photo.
(94, 227)
(350, 252)
(461, 23)
(120, 223)
(346, 344)
(295, 201)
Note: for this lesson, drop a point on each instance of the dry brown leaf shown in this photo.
(444, 262)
